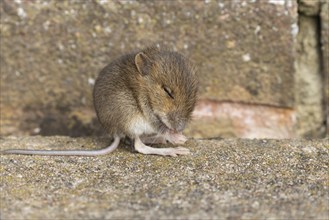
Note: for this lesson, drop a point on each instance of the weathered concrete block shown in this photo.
(51, 52)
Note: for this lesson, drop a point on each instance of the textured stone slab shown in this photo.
(51, 52)
(243, 179)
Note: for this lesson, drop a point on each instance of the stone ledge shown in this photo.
(223, 178)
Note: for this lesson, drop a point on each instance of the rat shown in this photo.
(147, 96)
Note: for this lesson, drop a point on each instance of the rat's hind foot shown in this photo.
(144, 149)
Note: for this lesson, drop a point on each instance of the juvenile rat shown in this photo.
(147, 96)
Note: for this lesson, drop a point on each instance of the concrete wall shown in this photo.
(262, 65)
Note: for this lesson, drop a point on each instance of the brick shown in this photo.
(227, 119)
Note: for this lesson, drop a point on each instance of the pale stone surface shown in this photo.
(324, 16)
(51, 52)
(221, 179)
(310, 7)
(309, 80)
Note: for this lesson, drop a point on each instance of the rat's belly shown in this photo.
(140, 126)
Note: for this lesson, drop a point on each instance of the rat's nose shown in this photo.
(178, 123)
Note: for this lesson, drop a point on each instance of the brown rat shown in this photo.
(147, 96)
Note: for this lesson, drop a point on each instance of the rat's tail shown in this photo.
(106, 150)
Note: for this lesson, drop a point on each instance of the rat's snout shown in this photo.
(177, 123)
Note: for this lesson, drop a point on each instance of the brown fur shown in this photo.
(134, 85)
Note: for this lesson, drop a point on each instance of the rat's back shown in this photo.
(113, 98)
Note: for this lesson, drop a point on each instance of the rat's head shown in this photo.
(170, 86)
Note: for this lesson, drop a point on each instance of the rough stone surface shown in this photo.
(51, 52)
(222, 179)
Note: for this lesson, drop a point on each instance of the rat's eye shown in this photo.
(168, 91)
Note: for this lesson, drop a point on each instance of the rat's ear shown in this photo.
(143, 63)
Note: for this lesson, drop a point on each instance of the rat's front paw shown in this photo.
(177, 138)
